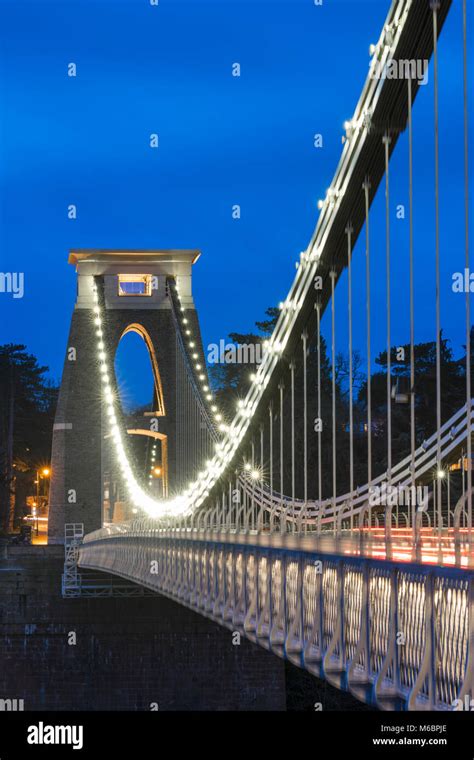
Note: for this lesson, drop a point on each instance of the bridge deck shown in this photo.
(435, 548)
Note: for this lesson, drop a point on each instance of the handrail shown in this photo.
(425, 458)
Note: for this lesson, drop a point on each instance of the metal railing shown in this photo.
(399, 636)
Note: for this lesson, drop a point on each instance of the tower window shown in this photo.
(134, 285)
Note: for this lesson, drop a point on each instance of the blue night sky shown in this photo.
(223, 141)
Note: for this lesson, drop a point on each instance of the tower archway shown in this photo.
(159, 409)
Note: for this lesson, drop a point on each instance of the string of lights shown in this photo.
(301, 289)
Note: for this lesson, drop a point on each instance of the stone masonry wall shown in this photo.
(128, 654)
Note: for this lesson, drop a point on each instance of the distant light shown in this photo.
(440, 474)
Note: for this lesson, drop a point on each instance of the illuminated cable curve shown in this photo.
(195, 495)
(140, 499)
(307, 267)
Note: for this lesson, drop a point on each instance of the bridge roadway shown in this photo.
(396, 633)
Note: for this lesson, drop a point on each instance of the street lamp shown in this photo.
(45, 473)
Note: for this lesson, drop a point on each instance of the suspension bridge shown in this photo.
(368, 590)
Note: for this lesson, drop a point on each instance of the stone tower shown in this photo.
(138, 290)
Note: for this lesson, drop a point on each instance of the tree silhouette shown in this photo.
(27, 404)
